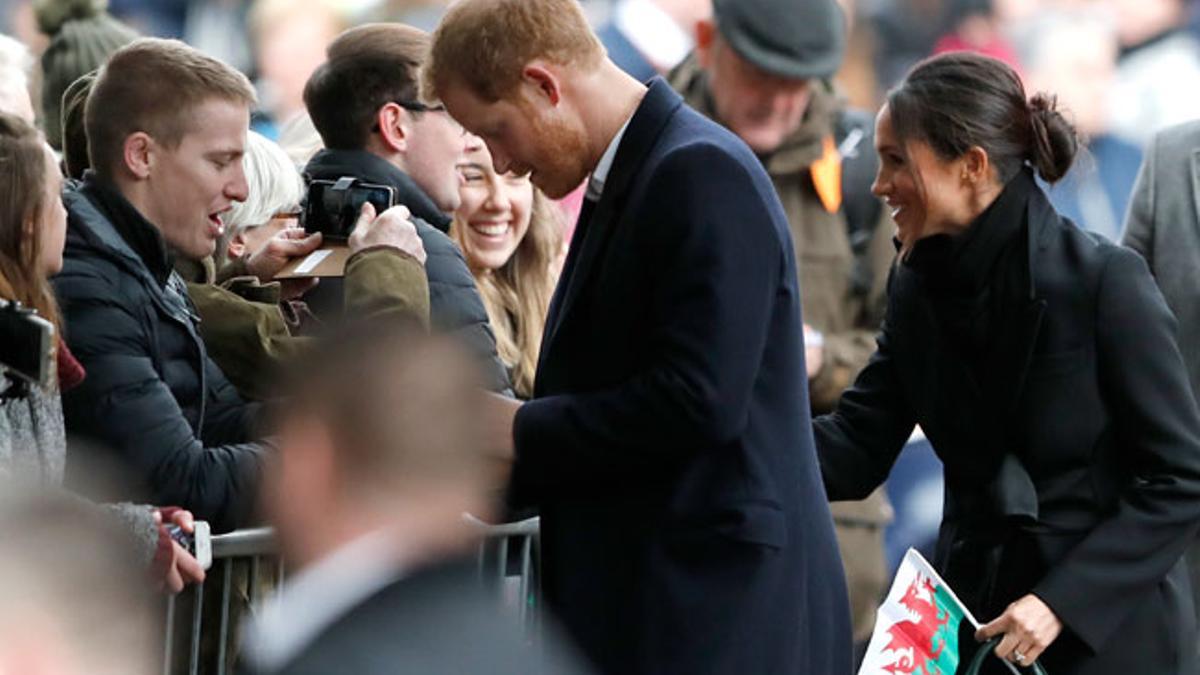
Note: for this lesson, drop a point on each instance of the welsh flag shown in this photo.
(916, 628)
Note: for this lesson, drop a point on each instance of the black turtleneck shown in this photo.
(971, 277)
(143, 237)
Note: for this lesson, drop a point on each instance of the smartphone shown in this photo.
(332, 207)
(198, 542)
(26, 344)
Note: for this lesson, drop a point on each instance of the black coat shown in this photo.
(435, 621)
(684, 525)
(1071, 444)
(454, 303)
(152, 400)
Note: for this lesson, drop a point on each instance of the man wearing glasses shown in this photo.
(364, 103)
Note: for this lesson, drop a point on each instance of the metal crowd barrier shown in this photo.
(508, 556)
(497, 566)
(257, 546)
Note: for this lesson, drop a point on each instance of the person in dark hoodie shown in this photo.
(364, 102)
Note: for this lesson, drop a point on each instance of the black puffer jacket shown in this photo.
(152, 399)
(454, 303)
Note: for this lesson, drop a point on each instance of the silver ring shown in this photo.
(1018, 656)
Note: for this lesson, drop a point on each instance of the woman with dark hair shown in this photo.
(1041, 363)
(33, 446)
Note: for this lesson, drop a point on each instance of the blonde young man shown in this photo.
(668, 443)
(166, 166)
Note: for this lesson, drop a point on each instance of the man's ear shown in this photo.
(706, 35)
(543, 81)
(394, 128)
(138, 153)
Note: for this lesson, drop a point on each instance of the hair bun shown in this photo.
(1054, 140)
(52, 15)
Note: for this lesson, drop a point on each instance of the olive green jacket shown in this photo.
(244, 327)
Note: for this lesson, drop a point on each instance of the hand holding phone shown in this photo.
(198, 542)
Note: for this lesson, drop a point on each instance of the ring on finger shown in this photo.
(1018, 657)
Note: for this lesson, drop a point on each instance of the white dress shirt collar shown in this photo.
(317, 596)
(599, 175)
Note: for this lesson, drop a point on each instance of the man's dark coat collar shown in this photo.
(139, 236)
(641, 136)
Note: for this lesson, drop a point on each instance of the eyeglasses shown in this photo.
(417, 106)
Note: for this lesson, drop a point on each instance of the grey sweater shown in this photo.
(33, 450)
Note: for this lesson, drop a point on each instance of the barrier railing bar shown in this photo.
(197, 610)
(226, 592)
(521, 528)
(255, 568)
(526, 570)
(502, 563)
(169, 638)
(244, 543)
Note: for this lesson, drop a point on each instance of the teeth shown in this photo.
(492, 230)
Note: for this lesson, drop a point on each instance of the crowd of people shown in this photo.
(680, 277)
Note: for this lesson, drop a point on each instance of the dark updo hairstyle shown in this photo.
(959, 100)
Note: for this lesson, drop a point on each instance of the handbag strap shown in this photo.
(990, 648)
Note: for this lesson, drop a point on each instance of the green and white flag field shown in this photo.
(916, 628)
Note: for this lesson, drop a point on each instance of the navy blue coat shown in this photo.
(685, 527)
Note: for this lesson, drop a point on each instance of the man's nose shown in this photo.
(238, 189)
(785, 102)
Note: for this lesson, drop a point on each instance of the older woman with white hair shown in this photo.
(272, 204)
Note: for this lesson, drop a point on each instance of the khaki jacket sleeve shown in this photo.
(386, 281)
(847, 352)
(246, 339)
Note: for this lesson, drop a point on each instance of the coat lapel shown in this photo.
(656, 109)
(1017, 340)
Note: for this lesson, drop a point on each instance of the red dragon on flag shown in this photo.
(916, 632)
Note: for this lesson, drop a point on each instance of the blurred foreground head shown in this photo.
(378, 433)
(72, 599)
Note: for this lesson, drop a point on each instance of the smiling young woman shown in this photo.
(1041, 363)
(511, 236)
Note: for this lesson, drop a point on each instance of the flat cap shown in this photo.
(801, 39)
